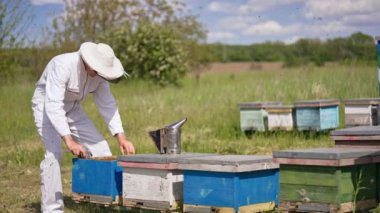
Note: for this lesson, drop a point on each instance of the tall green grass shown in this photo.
(209, 103)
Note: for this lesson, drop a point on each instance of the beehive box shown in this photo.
(328, 179)
(361, 112)
(253, 116)
(280, 117)
(153, 181)
(97, 180)
(317, 115)
(378, 60)
(230, 183)
(361, 136)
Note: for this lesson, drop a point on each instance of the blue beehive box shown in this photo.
(317, 115)
(237, 183)
(97, 180)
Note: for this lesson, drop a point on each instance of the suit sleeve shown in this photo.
(107, 106)
(56, 80)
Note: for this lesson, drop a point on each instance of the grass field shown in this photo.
(209, 103)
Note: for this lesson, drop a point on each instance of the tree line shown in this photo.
(156, 40)
(356, 48)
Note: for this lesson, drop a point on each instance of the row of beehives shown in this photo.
(316, 115)
(336, 179)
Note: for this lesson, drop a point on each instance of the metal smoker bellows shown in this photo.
(168, 139)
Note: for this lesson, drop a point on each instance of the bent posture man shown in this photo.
(65, 82)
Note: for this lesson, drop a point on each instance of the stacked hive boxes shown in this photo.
(328, 179)
(315, 115)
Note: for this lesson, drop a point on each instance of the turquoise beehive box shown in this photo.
(253, 116)
(317, 115)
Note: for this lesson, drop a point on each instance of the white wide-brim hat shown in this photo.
(102, 59)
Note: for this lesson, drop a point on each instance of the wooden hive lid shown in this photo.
(228, 163)
(279, 108)
(358, 131)
(362, 101)
(159, 158)
(327, 156)
(258, 105)
(317, 103)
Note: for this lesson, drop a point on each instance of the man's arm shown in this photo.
(55, 94)
(108, 109)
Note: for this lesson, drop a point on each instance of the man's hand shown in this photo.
(74, 147)
(126, 147)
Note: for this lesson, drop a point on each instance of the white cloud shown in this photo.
(237, 22)
(271, 28)
(326, 29)
(216, 6)
(327, 8)
(258, 5)
(220, 35)
(42, 2)
(362, 19)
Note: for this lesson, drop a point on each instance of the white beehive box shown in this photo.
(153, 181)
(280, 117)
(361, 112)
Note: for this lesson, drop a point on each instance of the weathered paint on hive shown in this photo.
(253, 120)
(253, 116)
(245, 180)
(326, 153)
(153, 185)
(361, 112)
(361, 136)
(154, 180)
(226, 189)
(321, 184)
(280, 118)
(317, 115)
(160, 158)
(97, 177)
(228, 163)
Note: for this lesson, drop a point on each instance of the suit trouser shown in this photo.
(83, 131)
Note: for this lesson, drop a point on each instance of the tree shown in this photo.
(14, 19)
(155, 39)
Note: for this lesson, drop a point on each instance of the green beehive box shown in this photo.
(253, 116)
(328, 179)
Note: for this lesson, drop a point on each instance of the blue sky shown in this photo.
(256, 21)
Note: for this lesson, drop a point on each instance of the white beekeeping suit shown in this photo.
(64, 84)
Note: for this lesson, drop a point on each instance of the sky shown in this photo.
(257, 21)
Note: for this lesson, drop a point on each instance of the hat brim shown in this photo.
(109, 73)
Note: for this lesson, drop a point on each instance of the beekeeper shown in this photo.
(64, 84)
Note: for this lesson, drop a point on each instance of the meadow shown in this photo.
(209, 102)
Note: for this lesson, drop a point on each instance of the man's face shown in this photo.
(91, 72)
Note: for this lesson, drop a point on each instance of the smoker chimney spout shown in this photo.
(168, 139)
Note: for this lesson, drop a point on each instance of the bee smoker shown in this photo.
(168, 139)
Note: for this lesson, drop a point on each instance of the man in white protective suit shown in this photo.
(66, 81)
